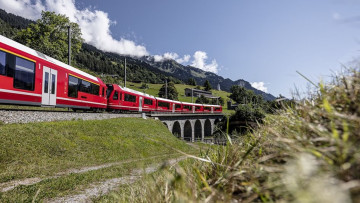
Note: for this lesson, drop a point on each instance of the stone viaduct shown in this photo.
(189, 127)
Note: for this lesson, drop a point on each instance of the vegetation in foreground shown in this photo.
(307, 153)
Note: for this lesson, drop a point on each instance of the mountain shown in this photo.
(183, 73)
(144, 69)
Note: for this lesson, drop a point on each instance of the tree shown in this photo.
(202, 100)
(207, 86)
(49, 35)
(171, 91)
(191, 81)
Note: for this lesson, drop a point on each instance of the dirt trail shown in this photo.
(7, 186)
(101, 188)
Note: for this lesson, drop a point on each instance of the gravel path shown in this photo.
(7, 186)
(9, 116)
(101, 188)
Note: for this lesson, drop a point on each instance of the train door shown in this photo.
(49, 86)
(173, 108)
(140, 103)
(193, 109)
(212, 109)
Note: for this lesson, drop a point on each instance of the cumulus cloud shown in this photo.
(199, 61)
(172, 56)
(259, 86)
(94, 24)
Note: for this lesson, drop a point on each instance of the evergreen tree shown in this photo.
(191, 81)
(171, 91)
(207, 86)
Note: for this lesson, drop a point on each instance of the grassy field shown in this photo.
(41, 150)
(306, 153)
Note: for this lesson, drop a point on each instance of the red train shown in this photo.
(28, 77)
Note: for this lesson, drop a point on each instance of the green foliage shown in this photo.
(191, 81)
(49, 35)
(203, 100)
(242, 95)
(207, 86)
(171, 91)
(248, 112)
(144, 86)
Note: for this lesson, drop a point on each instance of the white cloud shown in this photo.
(172, 56)
(259, 86)
(94, 24)
(199, 61)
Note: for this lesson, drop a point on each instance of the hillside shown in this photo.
(143, 69)
(55, 159)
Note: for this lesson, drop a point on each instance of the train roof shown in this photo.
(136, 92)
(163, 99)
(35, 53)
(211, 105)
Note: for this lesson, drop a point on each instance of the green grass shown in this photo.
(307, 153)
(42, 149)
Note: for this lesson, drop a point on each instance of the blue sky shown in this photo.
(259, 40)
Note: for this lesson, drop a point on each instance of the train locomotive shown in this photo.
(28, 77)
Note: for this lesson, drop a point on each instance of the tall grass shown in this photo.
(307, 153)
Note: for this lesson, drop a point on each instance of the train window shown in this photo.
(207, 108)
(103, 91)
(2, 62)
(217, 109)
(129, 98)
(46, 85)
(73, 86)
(197, 108)
(148, 101)
(53, 82)
(24, 77)
(85, 86)
(95, 89)
(187, 107)
(164, 104)
(116, 96)
(177, 106)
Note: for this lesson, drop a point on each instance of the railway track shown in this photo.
(8, 116)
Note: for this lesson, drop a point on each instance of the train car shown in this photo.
(28, 77)
(188, 107)
(198, 108)
(208, 108)
(125, 99)
(177, 107)
(164, 105)
(217, 109)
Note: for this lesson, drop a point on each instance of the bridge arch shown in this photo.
(207, 128)
(187, 131)
(176, 129)
(198, 129)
